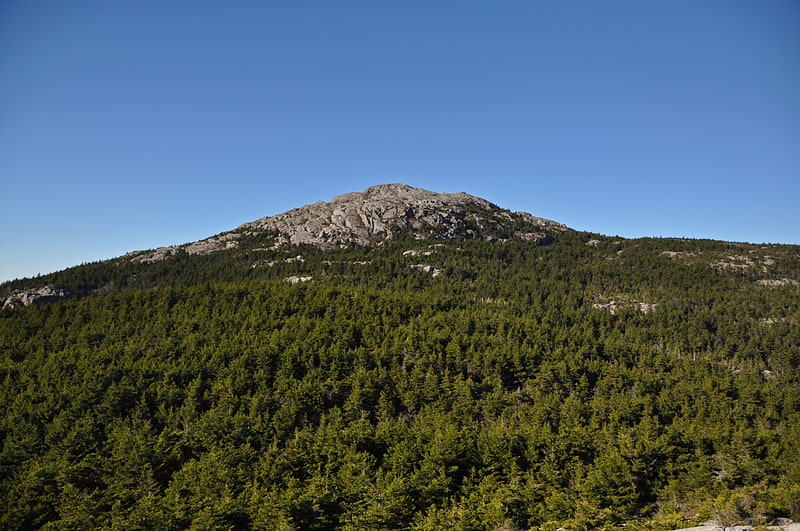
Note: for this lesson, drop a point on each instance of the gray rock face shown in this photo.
(783, 524)
(38, 297)
(377, 213)
(220, 242)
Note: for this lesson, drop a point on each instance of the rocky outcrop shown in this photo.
(375, 215)
(294, 279)
(433, 271)
(782, 525)
(220, 242)
(779, 282)
(379, 212)
(37, 297)
(537, 238)
(614, 305)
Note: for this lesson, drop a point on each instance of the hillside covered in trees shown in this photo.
(487, 383)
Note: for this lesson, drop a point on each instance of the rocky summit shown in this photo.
(377, 214)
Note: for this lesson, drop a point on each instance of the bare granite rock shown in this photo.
(434, 271)
(374, 215)
(782, 525)
(779, 282)
(220, 242)
(294, 279)
(614, 305)
(39, 296)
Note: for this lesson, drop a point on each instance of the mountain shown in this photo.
(374, 215)
(377, 214)
(366, 219)
(401, 359)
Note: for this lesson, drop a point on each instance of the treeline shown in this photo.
(522, 387)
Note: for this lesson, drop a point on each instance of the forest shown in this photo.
(591, 383)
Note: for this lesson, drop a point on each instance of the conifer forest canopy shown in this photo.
(420, 384)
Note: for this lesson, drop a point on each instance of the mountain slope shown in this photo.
(377, 214)
(443, 376)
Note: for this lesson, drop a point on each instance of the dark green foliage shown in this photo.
(208, 392)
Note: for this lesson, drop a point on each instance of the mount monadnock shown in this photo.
(397, 358)
(366, 218)
(377, 214)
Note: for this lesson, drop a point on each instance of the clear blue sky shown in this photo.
(131, 125)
